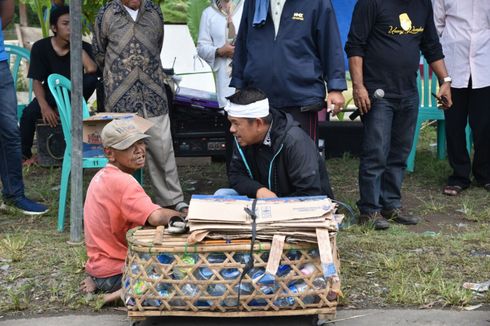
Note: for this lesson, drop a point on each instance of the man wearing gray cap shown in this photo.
(115, 203)
(272, 156)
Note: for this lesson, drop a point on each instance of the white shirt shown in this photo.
(213, 34)
(133, 13)
(464, 29)
(276, 11)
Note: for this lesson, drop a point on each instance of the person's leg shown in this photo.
(30, 115)
(10, 154)
(307, 120)
(111, 286)
(479, 117)
(375, 148)
(402, 132)
(89, 85)
(161, 163)
(226, 192)
(456, 120)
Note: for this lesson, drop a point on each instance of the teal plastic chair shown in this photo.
(428, 111)
(21, 54)
(60, 87)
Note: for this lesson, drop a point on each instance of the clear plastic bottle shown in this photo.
(230, 273)
(179, 272)
(217, 289)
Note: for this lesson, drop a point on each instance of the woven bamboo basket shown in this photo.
(172, 278)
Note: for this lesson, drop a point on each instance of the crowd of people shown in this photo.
(276, 64)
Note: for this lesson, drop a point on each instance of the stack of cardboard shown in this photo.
(296, 218)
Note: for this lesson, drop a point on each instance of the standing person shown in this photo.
(51, 55)
(10, 153)
(290, 49)
(383, 47)
(217, 34)
(128, 39)
(464, 28)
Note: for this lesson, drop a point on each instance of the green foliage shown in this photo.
(174, 12)
(40, 7)
(194, 12)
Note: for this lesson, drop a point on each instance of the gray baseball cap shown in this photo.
(121, 134)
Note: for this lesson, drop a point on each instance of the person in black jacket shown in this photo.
(272, 156)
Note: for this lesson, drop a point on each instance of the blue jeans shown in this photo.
(10, 153)
(226, 192)
(388, 130)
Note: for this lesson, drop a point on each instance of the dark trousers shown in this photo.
(388, 130)
(32, 113)
(308, 121)
(471, 105)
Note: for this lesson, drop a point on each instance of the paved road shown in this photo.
(344, 318)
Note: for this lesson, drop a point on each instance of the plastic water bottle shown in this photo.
(163, 291)
(241, 257)
(244, 288)
(266, 282)
(216, 290)
(190, 290)
(283, 270)
(230, 273)
(308, 269)
(216, 258)
(165, 259)
(180, 272)
(293, 254)
(203, 273)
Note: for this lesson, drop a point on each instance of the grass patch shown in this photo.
(424, 265)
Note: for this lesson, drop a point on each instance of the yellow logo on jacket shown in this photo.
(298, 16)
(406, 26)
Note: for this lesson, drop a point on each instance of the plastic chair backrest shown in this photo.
(60, 87)
(20, 54)
(427, 84)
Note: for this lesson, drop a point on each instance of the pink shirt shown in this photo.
(115, 203)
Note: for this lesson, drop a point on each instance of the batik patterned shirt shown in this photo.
(128, 52)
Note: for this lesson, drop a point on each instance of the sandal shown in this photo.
(452, 190)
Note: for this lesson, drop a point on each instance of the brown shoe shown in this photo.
(396, 215)
(375, 220)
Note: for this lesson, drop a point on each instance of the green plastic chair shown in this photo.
(60, 87)
(20, 55)
(428, 110)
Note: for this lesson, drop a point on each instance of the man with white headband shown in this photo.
(272, 156)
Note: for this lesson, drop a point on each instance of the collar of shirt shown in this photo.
(267, 140)
(133, 13)
(276, 12)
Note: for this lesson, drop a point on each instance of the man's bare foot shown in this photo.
(88, 285)
(110, 297)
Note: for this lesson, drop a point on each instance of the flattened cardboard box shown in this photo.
(92, 129)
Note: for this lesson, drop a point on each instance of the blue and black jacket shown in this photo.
(291, 166)
(292, 67)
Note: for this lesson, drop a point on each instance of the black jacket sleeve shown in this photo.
(240, 54)
(302, 165)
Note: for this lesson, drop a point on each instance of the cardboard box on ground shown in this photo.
(92, 129)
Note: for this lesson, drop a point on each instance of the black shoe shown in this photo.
(396, 215)
(374, 219)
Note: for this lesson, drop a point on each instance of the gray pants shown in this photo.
(161, 163)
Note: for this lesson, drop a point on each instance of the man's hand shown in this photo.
(361, 98)
(335, 102)
(444, 95)
(49, 116)
(227, 50)
(265, 193)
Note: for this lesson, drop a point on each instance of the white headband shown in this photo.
(259, 109)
